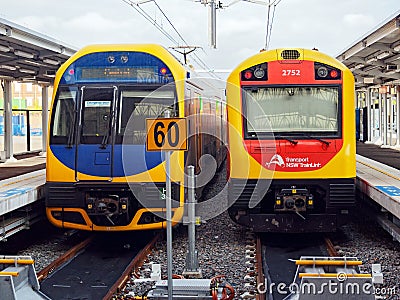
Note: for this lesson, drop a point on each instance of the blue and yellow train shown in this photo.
(99, 175)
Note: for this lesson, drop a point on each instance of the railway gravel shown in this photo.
(43, 242)
(221, 246)
(366, 240)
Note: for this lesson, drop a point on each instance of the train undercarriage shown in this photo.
(291, 206)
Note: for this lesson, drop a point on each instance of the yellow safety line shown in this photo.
(17, 261)
(320, 262)
(381, 171)
(301, 275)
(15, 274)
(14, 182)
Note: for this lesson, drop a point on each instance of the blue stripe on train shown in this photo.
(92, 160)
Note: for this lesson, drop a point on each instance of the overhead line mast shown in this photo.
(212, 17)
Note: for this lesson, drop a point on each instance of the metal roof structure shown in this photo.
(375, 58)
(26, 55)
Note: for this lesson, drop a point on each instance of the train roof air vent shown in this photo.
(290, 54)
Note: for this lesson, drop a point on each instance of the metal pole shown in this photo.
(192, 219)
(192, 269)
(45, 112)
(28, 131)
(398, 116)
(8, 127)
(380, 118)
(169, 217)
(373, 122)
(212, 26)
(384, 119)
(390, 118)
(369, 110)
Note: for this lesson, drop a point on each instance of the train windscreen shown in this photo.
(292, 109)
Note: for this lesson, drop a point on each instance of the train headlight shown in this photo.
(322, 72)
(111, 59)
(124, 59)
(124, 204)
(278, 203)
(90, 203)
(310, 202)
(259, 73)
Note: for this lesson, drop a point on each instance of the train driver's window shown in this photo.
(63, 116)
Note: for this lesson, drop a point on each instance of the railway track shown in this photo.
(307, 266)
(97, 267)
(277, 251)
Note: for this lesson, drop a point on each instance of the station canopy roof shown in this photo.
(26, 55)
(375, 58)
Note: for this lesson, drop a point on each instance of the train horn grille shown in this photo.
(290, 54)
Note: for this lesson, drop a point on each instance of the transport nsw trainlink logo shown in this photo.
(291, 162)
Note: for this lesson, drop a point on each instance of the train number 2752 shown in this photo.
(286, 72)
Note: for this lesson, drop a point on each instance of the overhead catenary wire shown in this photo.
(196, 58)
(199, 61)
(271, 4)
(270, 21)
(151, 20)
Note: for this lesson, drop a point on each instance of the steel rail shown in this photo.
(136, 263)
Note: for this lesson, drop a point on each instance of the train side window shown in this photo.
(63, 119)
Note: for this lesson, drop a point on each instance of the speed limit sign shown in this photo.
(166, 134)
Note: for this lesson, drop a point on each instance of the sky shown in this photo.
(329, 25)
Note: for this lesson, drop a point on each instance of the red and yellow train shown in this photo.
(291, 139)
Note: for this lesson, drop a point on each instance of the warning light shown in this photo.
(163, 71)
(248, 74)
(333, 73)
(71, 72)
(278, 202)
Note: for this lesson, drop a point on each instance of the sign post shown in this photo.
(167, 134)
(169, 216)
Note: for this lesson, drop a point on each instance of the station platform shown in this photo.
(21, 194)
(22, 166)
(378, 177)
(387, 156)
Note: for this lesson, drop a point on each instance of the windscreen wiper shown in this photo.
(71, 130)
(106, 135)
(293, 142)
(326, 143)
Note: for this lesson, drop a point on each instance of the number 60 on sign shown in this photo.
(166, 134)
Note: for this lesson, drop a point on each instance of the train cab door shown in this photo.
(94, 155)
